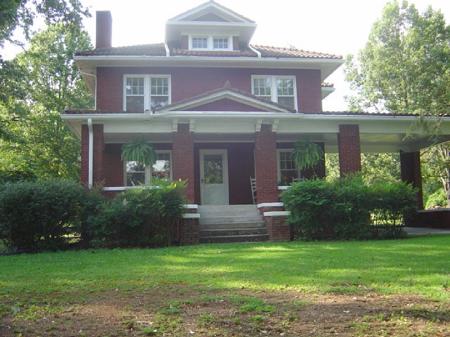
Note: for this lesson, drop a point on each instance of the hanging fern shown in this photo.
(140, 151)
(306, 154)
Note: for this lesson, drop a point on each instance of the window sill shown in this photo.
(283, 188)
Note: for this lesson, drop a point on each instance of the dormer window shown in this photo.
(210, 42)
(199, 42)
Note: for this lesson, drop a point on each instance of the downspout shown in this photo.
(91, 155)
(257, 52)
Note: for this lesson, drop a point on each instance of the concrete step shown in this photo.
(235, 238)
(259, 224)
(232, 232)
(230, 220)
(208, 211)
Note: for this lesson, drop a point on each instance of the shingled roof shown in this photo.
(158, 49)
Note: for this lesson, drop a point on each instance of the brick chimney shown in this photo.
(104, 29)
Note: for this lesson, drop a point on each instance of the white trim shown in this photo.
(207, 5)
(270, 204)
(228, 94)
(147, 89)
(190, 206)
(274, 89)
(283, 188)
(166, 47)
(191, 216)
(90, 154)
(277, 213)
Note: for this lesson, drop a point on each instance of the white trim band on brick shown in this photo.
(283, 188)
(270, 204)
(277, 213)
(191, 216)
(190, 206)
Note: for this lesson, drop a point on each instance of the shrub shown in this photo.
(346, 208)
(39, 215)
(139, 217)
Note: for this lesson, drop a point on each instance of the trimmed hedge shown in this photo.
(348, 209)
(39, 215)
(143, 217)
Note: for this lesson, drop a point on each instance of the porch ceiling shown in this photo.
(377, 133)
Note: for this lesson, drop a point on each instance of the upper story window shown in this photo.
(210, 42)
(137, 174)
(144, 92)
(279, 89)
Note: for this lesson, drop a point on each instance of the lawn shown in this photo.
(240, 289)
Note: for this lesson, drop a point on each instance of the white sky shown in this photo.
(335, 26)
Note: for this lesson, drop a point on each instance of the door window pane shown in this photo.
(213, 169)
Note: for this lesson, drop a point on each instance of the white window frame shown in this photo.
(147, 88)
(148, 169)
(210, 43)
(274, 89)
(299, 176)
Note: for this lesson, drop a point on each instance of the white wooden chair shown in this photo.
(253, 187)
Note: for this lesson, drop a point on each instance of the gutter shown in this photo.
(91, 154)
(240, 115)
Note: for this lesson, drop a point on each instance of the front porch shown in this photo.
(217, 153)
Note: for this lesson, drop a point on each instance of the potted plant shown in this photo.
(306, 155)
(140, 151)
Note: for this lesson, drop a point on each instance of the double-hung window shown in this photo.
(145, 92)
(137, 174)
(279, 89)
(199, 42)
(287, 171)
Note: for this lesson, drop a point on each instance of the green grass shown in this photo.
(413, 266)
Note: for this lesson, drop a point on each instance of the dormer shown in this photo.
(209, 27)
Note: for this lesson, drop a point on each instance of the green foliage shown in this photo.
(140, 151)
(341, 208)
(139, 217)
(404, 69)
(40, 83)
(306, 154)
(22, 15)
(39, 215)
(436, 199)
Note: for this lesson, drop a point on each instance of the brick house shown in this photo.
(219, 111)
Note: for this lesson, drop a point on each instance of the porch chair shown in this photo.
(253, 187)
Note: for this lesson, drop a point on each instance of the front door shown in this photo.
(214, 177)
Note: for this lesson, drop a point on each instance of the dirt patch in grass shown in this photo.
(178, 310)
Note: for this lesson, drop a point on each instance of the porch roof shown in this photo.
(378, 132)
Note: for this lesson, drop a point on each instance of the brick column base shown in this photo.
(278, 228)
(190, 231)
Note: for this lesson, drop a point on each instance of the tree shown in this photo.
(21, 15)
(404, 68)
(48, 82)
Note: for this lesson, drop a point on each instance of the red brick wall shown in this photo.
(224, 105)
(240, 168)
(183, 159)
(278, 228)
(410, 173)
(103, 30)
(349, 149)
(188, 82)
(266, 165)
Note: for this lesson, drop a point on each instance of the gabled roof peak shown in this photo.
(200, 13)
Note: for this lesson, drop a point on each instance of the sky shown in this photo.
(335, 26)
